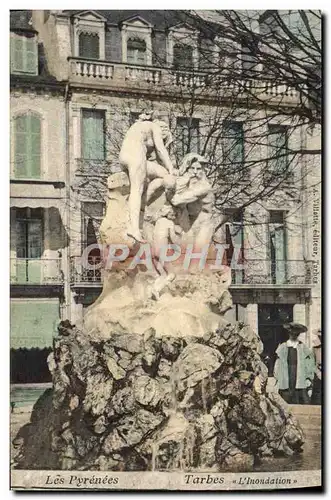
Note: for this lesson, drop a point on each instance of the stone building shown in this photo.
(38, 236)
(97, 71)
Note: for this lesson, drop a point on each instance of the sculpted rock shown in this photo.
(191, 408)
(147, 391)
(98, 391)
(195, 363)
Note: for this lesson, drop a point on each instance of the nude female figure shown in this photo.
(143, 140)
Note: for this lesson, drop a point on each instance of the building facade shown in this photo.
(107, 67)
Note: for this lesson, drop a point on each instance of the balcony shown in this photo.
(36, 272)
(288, 273)
(168, 80)
(256, 273)
(89, 275)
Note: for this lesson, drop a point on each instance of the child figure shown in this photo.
(165, 232)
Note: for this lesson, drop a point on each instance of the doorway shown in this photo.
(271, 318)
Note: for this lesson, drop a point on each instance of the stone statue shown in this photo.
(151, 206)
(195, 193)
(144, 139)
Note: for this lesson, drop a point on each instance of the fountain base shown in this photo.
(136, 402)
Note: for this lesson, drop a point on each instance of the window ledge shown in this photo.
(56, 184)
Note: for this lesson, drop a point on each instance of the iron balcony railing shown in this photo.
(254, 272)
(279, 272)
(89, 273)
(36, 271)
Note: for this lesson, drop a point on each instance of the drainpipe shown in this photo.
(67, 289)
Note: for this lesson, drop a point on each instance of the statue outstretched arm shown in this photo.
(192, 194)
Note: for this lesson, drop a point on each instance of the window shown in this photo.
(29, 231)
(234, 237)
(93, 214)
(278, 160)
(188, 137)
(248, 60)
(277, 245)
(89, 45)
(183, 56)
(29, 246)
(23, 54)
(136, 51)
(93, 134)
(233, 145)
(27, 140)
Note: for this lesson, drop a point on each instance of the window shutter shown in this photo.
(277, 139)
(31, 56)
(35, 147)
(27, 147)
(93, 135)
(21, 146)
(17, 63)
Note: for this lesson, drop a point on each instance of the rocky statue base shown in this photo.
(143, 402)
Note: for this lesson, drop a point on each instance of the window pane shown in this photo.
(21, 246)
(188, 137)
(183, 56)
(136, 51)
(93, 135)
(89, 45)
(34, 239)
(233, 143)
(277, 146)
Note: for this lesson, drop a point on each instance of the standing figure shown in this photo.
(316, 397)
(144, 139)
(165, 232)
(294, 366)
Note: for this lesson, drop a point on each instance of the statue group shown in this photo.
(150, 201)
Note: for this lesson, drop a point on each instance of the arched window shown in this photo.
(183, 56)
(89, 45)
(136, 51)
(27, 140)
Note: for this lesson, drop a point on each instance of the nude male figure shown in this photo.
(145, 139)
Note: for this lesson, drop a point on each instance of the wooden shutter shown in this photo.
(93, 135)
(35, 147)
(21, 139)
(24, 54)
(27, 147)
(16, 53)
(30, 56)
